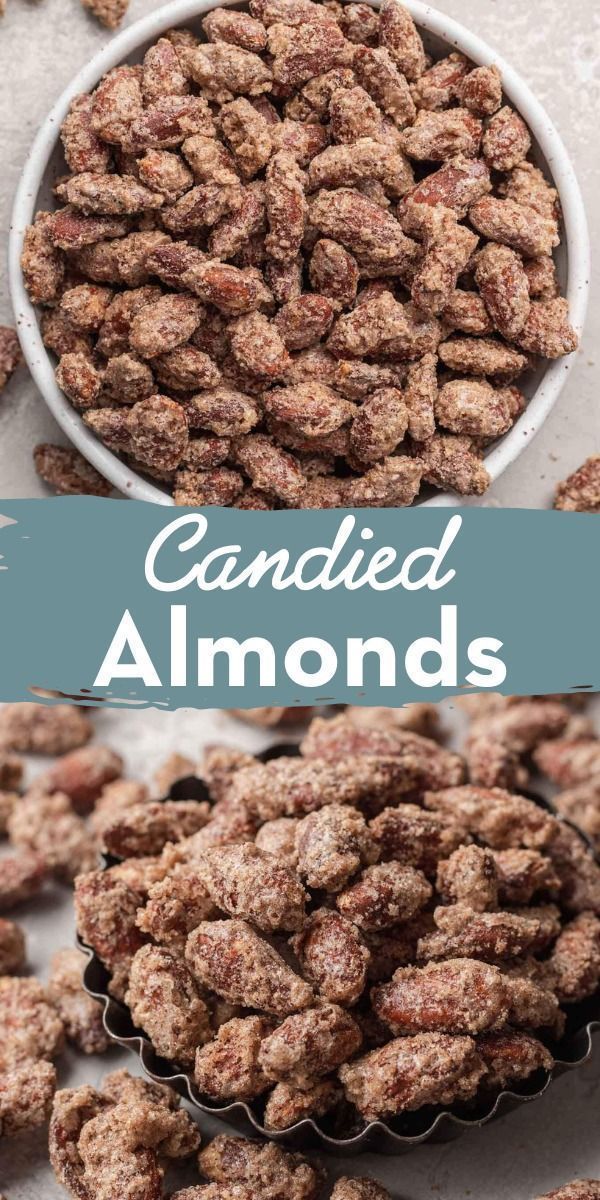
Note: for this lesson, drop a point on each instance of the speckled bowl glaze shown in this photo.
(441, 35)
(336, 1137)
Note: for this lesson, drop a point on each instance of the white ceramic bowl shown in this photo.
(441, 34)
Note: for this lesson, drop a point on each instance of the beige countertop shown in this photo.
(557, 49)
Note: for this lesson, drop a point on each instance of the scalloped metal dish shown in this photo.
(397, 1137)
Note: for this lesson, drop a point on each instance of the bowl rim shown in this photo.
(456, 35)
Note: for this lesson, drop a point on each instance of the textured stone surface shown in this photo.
(42, 42)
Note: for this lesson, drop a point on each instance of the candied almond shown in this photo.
(81, 1015)
(461, 996)
(481, 91)
(381, 78)
(362, 1188)
(165, 1002)
(30, 1027)
(441, 83)
(429, 1068)
(332, 844)
(313, 409)
(23, 874)
(309, 1044)
(48, 825)
(399, 34)
(515, 225)
(270, 469)
(68, 472)
(109, 13)
(581, 491)
(266, 892)
(512, 1056)
(12, 948)
(231, 959)
(237, 28)
(437, 136)
(490, 936)
(504, 287)
(145, 828)
(287, 1105)
(506, 141)
(224, 70)
(475, 408)
(257, 346)
(227, 1067)
(82, 774)
(333, 956)
(384, 894)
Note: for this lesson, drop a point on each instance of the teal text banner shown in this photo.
(131, 603)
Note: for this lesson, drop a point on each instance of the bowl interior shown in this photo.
(441, 35)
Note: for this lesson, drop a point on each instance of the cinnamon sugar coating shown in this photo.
(333, 956)
(309, 1044)
(332, 843)
(576, 958)
(228, 1067)
(581, 491)
(568, 761)
(338, 737)
(265, 1169)
(80, 1014)
(83, 774)
(219, 764)
(286, 1105)
(166, 1003)
(500, 819)
(115, 798)
(250, 178)
(145, 828)
(23, 874)
(278, 837)
(523, 874)
(459, 996)
(405, 1074)
(174, 907)
(490, 936)
(408, 835)
(43, 729)
(362, 1188)
(295, 787)
(67, 472)
(231, 959)
(26, 1096)
(264, 892)
(383, 895)
(580, 1189)
(30, 1027)
(12, 948)
(469, 876)
(532, 1002)
(105, 910)
(118, 1139)
(49, 826)
(511, 1057)
(108, 13)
